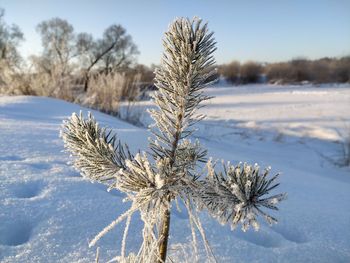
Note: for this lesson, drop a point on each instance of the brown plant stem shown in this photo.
(164, 236)
(165, 227)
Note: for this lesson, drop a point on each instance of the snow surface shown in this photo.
(48, 213)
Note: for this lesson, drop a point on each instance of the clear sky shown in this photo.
(262, 30)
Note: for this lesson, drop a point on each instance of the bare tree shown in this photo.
(91, 54)
(123, 50)
(58, 40)
(231, 71)
(115, 50)
(10, 37)
(10, 59)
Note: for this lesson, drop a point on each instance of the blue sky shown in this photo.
(265, 31)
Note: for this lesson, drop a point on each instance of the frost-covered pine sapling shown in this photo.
(168, 173)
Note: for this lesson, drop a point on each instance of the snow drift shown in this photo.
(48, 213)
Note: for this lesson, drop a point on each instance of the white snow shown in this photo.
(48, 213)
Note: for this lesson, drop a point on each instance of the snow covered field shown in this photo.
(48, 213)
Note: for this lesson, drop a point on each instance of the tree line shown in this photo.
(295, 71)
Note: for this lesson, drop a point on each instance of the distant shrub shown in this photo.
(250, 72)
(278, 72)
(231, 71)
(44, 83)
(300, 70)
(107, 90)
(13, 83)
(341, 70)
(234, 72)
(146, 74)
(321, 71)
